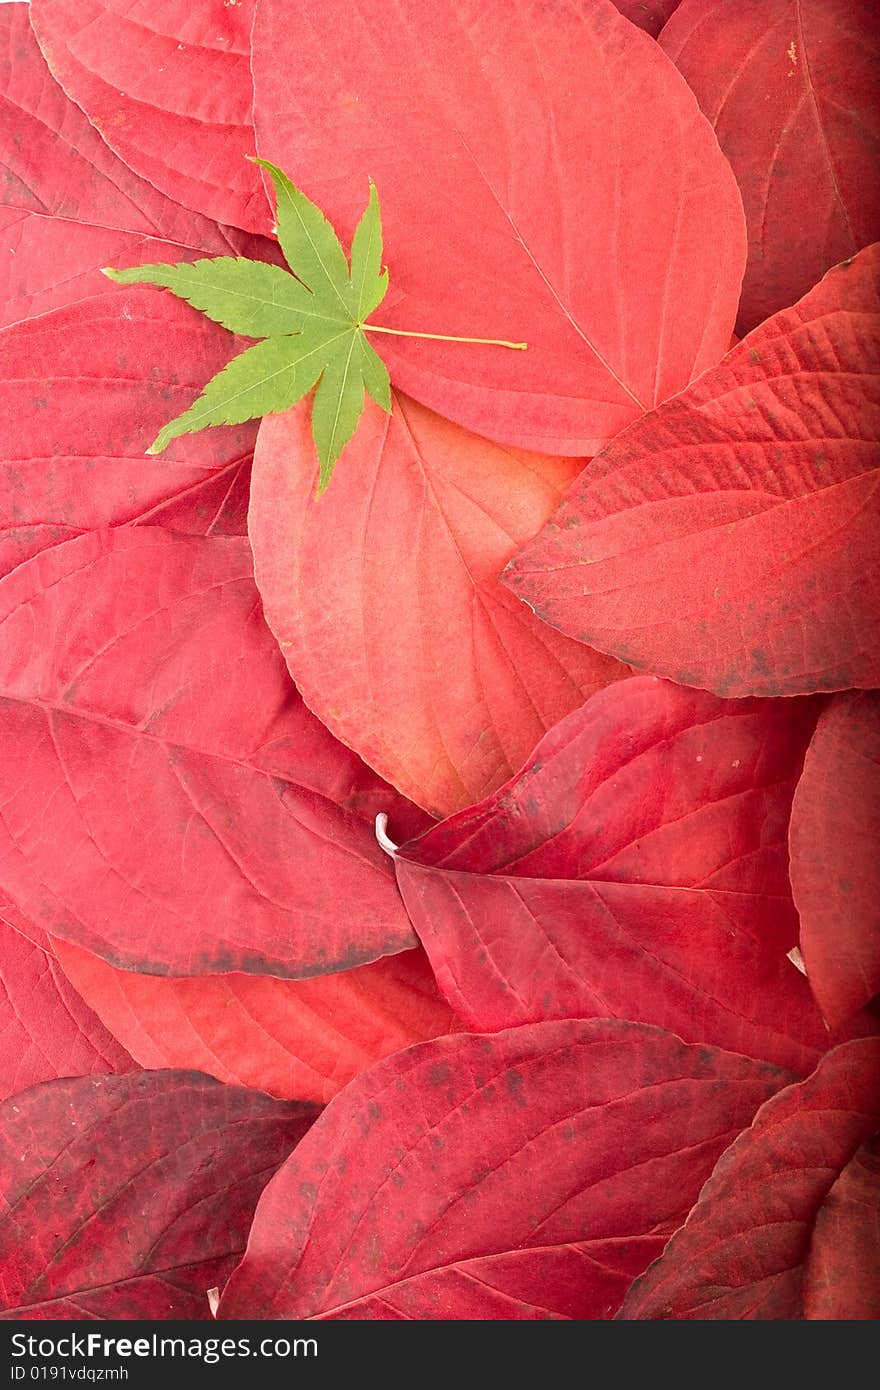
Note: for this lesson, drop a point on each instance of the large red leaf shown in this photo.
(545, 175)
(842, 1273)
(792, 88)
(729, 540)
(68, 205)
(298, 1039)
(131, 1196)
(72, 454)
(46, 1030)
(835, 856)
(526, 1175)
(166, 800)
(168, 86)
(758, 1237)
(384, 596)
(635, 868)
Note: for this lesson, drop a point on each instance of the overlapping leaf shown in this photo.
(842, 1277)
(130, 1196)
(384, 597)
(729, 540)
(792, 88)
(496, 1177)
(760, 1243)
(649, 15)
(297, 1039)
(835, 856)
(520, 201)
(46, 1030)
(635, 868)
(168, 86)
(68, 205)
(167, 802)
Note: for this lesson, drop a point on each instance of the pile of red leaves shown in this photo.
(594, 626)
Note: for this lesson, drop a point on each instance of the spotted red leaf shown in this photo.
(166, 800)
(298, 1039)
(729, 540)
(46, 1030)
(68, 205)
(530, 1174)
(792, 88)
(168, 86)
(842, 1274)
(384, 596)
(635, 868)
(131, 1196)
(835, 856)
(520, 200)
(759, 1241)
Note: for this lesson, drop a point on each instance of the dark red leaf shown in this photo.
(298, 1039)
(742, 1253)
(131, 1196)
(68, 205)
(46, 1030)
(729, 540)
(166, 800)
(526, 1175)
(168, 86)
(792, 88)
(635, 868)
(384, 596)
(520, 199)
(649, 15)
(835, 856)
(842, 1273)
(72, 444)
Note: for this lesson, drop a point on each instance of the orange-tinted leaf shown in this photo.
(530, 1174)
(635, 868)
(545, 176)
(384, 596)
(729, 540)
(46, 1030)
(131, 1196)
(792, 88)
(298, 1039)
(167, 801)
(835, 856)
(168, 86)
(758, 1237)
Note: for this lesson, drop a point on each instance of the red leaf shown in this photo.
(649, 15)
(729, 540)
(384, 597)
(73, 458)
(526, 1175)
(521, 199)
(298, 1039)
(810, 68)
(46, 1030)
(842, 1273)
(131, 1196)
(167, 801)
(168, 86)
(835, 865)
(742, 1253)
(635, 868)
(68, 206)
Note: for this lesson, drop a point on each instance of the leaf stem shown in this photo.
(443, 337)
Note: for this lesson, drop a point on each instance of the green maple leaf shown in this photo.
(313, 324)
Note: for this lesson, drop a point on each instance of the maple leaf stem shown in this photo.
(443, 337)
